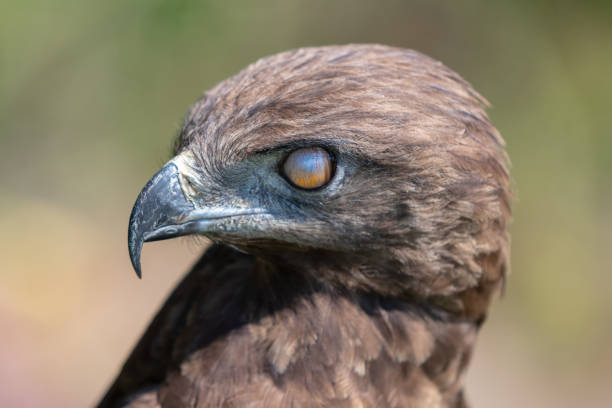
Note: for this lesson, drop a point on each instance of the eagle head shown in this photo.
(368, 168)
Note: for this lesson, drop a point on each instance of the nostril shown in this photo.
(190, 186)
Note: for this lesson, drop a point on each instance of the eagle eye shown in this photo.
(308, 168)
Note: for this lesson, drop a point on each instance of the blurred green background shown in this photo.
(91, 97)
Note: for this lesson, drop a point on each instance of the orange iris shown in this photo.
(308, 168)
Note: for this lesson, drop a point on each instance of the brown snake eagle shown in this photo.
(357, 198)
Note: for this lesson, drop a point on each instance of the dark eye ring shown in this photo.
(308, 168)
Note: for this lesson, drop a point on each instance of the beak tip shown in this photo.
(135, 247)
(135, 258)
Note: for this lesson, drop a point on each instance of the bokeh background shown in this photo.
(91, 97)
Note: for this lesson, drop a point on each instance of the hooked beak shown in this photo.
(166, 208)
